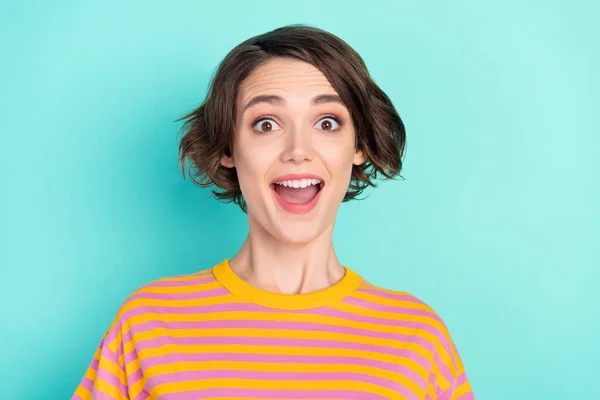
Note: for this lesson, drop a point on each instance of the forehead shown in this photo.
(286, 77)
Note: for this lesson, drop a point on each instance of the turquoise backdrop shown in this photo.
(496, 225)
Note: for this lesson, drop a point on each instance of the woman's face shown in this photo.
(293, 149)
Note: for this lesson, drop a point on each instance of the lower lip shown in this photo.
(297, 208)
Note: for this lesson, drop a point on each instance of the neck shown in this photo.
(289, 268)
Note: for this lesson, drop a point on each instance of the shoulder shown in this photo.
(421, 324)
(408, 312)
(394, 301)
(168, 295)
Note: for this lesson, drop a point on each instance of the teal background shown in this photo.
(496, 224)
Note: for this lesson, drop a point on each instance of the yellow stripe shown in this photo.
(196, 275)
(268, 316)
(463, 389)
(273, 398)
(431, 390)
(83, 393)
(108, 389)
(390, 316)
(392, 303)
(284, 367)
(114, 369)
(168, 349)
(203, 272)
(369, 286)
(439, 378)
(278, 333)
(175, 387)
(91, 373)
(198, 287)
(137, 387)
(432, 322)
(209, 301)
(454, 367)
(131, 304)
(113, 346)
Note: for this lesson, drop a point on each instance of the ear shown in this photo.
(227, 161)
(359, 157)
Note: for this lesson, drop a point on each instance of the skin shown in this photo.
(284, 252)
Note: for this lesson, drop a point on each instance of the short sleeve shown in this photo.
(448, 379)
(105, 378)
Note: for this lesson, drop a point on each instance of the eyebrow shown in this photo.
(278, 101)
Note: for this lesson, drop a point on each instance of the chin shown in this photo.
(297, 233)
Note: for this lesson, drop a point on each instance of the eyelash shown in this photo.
(265, 117)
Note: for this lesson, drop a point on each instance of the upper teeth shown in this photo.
(299, 183)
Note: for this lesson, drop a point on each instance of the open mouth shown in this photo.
(297, 194)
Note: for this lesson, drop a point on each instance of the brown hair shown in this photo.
(208, 130)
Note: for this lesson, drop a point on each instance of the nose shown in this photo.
(298, 146)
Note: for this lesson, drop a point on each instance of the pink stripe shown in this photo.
(130, 356)
(447, 395)
(391, 296)
(112, 379)
(444, 371)
(158, 380)
(323, 311)
(390, 309)
(107, 354)
(432, 383)
(119, 352)
(285, 359)
(143, 395)
(270, 394)
(111, 336)
(96, 395)
(467, 396)
(199, 294)
(281, 325)
(250, 341)
(211, 308)
(462, 378)
(202, 272)
(134, 377)
(388, 322)
(87, 383)
(183, 282)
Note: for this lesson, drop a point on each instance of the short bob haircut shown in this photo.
(208, 130)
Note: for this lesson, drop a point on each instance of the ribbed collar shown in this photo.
(240, 288)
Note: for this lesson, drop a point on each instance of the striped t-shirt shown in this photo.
(211, 335)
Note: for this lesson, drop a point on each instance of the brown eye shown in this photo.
(329, 124)
(265, 125)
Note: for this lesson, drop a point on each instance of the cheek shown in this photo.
(252, 162)
(338, 159)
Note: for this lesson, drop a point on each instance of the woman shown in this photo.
(292, 126)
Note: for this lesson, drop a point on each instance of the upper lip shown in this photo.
(291, 177)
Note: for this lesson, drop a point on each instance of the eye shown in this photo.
(329, 123)
(265, 124)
